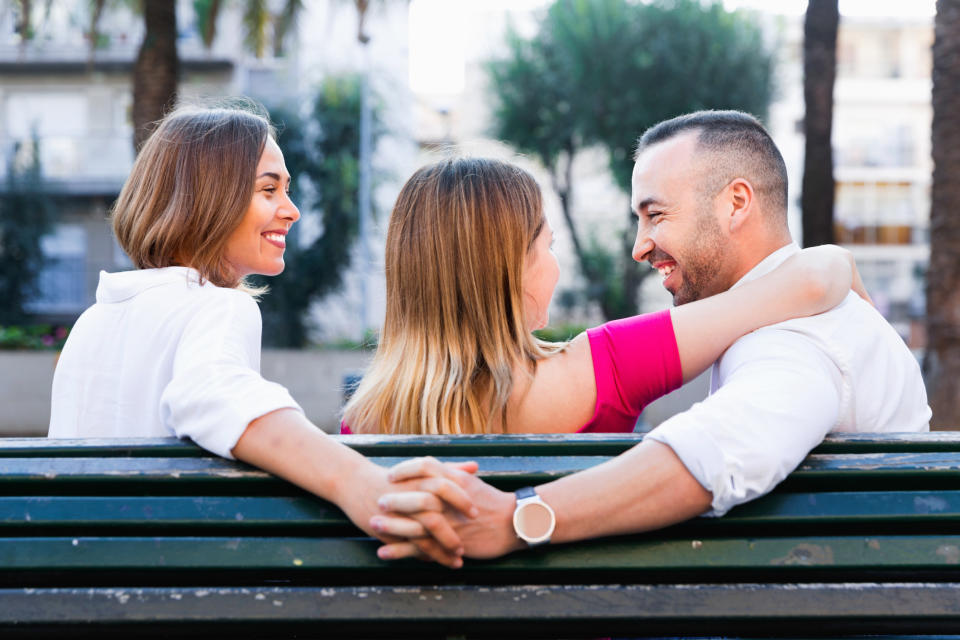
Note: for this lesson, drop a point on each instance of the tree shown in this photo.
(27, 212)
(321, 152)
(156, 69)
(942, 362)
(600, 72)
(819, 73)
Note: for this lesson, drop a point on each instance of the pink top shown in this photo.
(635, 361)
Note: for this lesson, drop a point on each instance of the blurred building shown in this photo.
(76, 102)
(882, 162)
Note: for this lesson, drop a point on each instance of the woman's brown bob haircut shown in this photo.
(189, 189)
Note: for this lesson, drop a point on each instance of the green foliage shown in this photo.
(600, 72)
(33, 337)
(321, 150)
(27, 212)
(560, 332)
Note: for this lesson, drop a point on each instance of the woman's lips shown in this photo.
(276, 239)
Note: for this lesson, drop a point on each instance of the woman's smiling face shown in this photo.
(256, 246)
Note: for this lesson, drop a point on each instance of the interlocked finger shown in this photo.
(398, 527)
(440, 530)
(416, 468)
(423, 548)
(410, 502)
(451, 493)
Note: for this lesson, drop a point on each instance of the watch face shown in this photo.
(534, 520)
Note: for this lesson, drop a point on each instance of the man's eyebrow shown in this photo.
(646, 202)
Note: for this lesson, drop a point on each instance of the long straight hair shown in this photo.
(454, 331)
(189, 189)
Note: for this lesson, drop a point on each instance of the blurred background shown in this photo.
(858, 94)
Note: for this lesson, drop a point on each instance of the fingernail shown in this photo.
(459, 551)
(474, 512)
(384, 554)
(376, 524)
(458, 563)
(383, 504)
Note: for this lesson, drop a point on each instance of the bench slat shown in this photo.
(905, 470)
(662, 609)
(533, 444)
(628, 557)
(240, 513)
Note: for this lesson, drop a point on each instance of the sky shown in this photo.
(439, 29)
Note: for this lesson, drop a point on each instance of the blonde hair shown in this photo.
(454, 331)
(189, 189)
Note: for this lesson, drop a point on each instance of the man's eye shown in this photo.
(652, 215)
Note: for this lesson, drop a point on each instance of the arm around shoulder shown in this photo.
(807, 283)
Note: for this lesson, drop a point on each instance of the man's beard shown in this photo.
(702, 262)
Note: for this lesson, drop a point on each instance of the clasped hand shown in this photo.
(423, 518)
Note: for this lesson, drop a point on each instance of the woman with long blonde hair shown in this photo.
(470, 274)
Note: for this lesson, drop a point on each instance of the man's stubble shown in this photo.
(703, 262)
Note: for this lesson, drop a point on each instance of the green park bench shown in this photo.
(157, 538)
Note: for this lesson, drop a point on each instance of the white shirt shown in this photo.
(160, 355)
(775, 393)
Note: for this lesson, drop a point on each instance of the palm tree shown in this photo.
(819, 72)
(157, 66)
(942, 361)
(156, 69)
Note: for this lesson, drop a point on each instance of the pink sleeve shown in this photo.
(635, 361)
(345, 429)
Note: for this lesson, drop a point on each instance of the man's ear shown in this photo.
(740, 199)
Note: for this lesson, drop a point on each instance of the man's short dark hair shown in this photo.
(739, 147)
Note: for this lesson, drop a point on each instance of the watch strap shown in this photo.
(525, 493)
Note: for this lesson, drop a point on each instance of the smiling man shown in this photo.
(710, 195)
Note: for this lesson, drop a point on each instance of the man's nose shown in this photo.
(642, 246)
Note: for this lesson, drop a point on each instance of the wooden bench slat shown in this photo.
(630, 558)
(667, 609)
(532, 444)
(290, 512)
(833, 471)
(155, 512)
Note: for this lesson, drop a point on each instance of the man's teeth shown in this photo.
(666, 270)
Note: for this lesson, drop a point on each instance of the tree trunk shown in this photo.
(819, 72)
(942, 362)
(156, 70)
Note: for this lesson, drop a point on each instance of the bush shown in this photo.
(560, 333)
(37, 337)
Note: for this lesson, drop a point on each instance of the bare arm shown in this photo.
(814, 281)
(287, 445)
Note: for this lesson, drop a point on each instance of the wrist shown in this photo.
(533, 519)
(352, 475)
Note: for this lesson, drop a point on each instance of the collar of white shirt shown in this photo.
(769, 263)
(123, 285)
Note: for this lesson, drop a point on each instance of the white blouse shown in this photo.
(159, 354)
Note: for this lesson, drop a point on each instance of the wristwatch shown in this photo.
(533, 519)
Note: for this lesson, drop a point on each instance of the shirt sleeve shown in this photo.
(779, 398)
(216, 389)
(635, 361)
